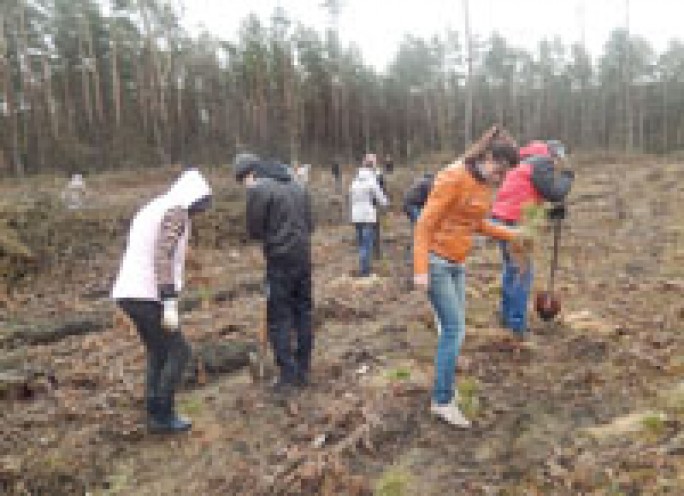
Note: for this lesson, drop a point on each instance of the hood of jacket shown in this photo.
(189, 188)
(534, 148)
(272, 170)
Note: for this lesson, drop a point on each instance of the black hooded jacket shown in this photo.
(418, 193)
(279, 214)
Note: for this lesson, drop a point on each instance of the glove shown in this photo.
(523, 242)
(521, 247)
(557, 212)
(170, 320)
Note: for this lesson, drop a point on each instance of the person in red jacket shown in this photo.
(537, 179)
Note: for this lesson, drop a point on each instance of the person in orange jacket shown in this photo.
(457, 208)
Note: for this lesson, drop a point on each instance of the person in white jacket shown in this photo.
(365, 196)
(147, 287)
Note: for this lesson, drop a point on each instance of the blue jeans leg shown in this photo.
(447, 295)
(515, 291)
(365, 234)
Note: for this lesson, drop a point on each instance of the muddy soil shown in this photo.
(593, 404)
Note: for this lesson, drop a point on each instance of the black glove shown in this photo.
(557, 212)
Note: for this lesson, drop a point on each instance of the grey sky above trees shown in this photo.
(378, 26)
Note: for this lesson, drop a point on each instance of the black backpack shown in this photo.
(418, 193)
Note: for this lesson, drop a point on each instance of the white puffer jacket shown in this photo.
(137, 278)
(364, 193)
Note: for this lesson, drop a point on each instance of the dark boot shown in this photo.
(155, 421)
(302, 378)
(163, 418)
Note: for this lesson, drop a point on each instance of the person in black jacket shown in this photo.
(279, 215)
(416, 196)
(371, 161)
(335, 171)
(389, 164)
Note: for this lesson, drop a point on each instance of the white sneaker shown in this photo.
(450, 413)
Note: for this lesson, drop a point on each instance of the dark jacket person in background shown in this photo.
(416, 196)
(279, 215)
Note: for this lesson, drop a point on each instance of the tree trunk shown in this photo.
(116, 83)
(92, 66)
(469, 89)
(10, 99)
(154, 74)
(665, 130)
(85, 83)
(49, 97)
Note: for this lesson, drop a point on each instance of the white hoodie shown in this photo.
(364, 193)
(137, 278)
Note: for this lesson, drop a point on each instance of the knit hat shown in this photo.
(244, 164)
(534, 148)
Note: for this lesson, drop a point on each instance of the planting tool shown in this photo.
(547, 304)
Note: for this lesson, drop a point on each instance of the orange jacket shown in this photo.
(457, 207)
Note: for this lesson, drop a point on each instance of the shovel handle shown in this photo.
(554, 253)
(263, 329)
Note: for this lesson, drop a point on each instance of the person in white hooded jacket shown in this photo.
(147, 287)
(365, 195)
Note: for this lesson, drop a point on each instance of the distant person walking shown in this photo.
(335, 171)
(372, 160)
(389, 164)
(147, 287)
(365, 195)
(302, 173)
(74, 194)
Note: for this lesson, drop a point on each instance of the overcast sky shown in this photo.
(377, 26)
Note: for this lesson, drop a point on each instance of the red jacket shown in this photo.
(534, 181)
(516, 191)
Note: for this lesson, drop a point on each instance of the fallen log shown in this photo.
(51, 332)
(217, 358)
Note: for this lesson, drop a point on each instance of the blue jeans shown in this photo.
(515, 290)
(413, 213)
(365, 237)
(447, 295)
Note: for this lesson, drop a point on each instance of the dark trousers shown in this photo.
(289, 308)
(167, 351)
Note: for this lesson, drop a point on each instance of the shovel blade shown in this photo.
(547, 305)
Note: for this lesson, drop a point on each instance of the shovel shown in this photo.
(547, 304)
